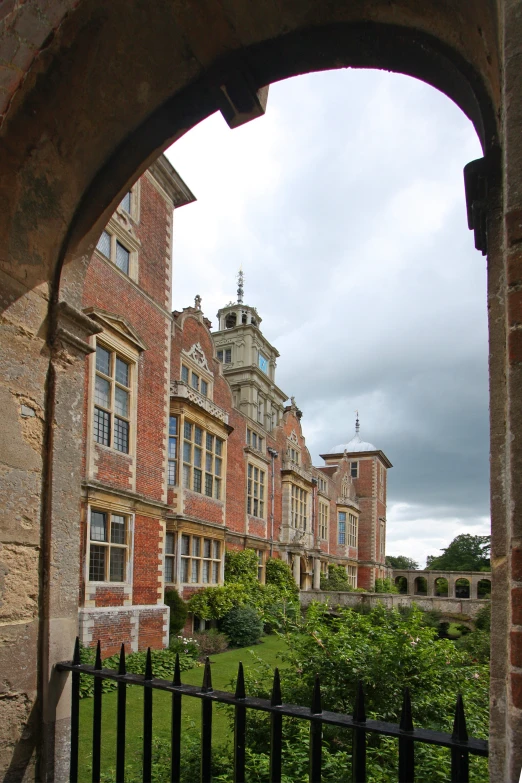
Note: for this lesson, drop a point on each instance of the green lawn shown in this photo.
(224, 668)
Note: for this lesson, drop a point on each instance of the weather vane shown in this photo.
(357, 422)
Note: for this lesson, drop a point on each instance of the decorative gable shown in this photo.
(197, 355)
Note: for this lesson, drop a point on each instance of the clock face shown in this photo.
(263, 363)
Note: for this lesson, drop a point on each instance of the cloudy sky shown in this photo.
(345, 207)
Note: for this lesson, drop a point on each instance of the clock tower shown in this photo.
(249, 362)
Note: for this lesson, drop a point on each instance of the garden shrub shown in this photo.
(337, 579)
(211, 642)
(178, 611)
(385, 586)
(483, 619)
(241, 566)
(243, 626)
(280, 575)
(163, 662)
(185, 645)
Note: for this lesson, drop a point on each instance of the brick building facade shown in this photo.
(190, 447)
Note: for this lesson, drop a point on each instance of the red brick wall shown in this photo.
(112, 630)
(203, 507)
(151, 630)
(146, 575)
(155, 222)
(108, 290)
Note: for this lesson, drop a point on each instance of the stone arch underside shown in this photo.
(109, 87)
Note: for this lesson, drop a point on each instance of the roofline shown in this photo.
(166, 175)
(358, 455)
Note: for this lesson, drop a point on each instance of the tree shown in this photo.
(465, 553)
(402, 562)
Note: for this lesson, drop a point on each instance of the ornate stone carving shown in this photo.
(197, 355)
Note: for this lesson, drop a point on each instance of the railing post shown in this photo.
(359, 739)
(96, 719)
(175, 735)
(459, 756)
(147, 721)
(276, 731)
(121, 720)
(316, 735)
(206, 727)
(406, 745)
(239, 728)
(75, 715)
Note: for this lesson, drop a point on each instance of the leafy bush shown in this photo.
(178, 611)
(387, 651)
(336, 580)
(163, 662)
(243, 626)
(211, 642)
(185, 645)
(477, 645)
(280, 575)
(385, 586)
(213, 603)
(241, 567)
(483, 619)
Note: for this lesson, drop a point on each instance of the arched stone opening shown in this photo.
(420, 586)
(59, 200)
(401, 583)
(462, 588)
(441, 587)
(484, 588)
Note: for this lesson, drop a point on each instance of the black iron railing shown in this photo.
(459, 744)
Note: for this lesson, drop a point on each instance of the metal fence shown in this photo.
(459, 744)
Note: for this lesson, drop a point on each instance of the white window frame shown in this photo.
(117, 350)
(323, 514)
(298, 507)
(352, 531)
(118, 234)
(199, 560)
(128, 546)
(217, 471)
(256, 490)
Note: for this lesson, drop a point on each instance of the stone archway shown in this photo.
(68, 152)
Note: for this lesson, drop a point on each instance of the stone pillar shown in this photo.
(430, 583)
(504, 280)
(24, 363)
(317, 573)
(297, 570)
(62, 530)
(473, 586)
(452, 580)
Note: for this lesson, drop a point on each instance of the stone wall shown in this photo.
(468, 607)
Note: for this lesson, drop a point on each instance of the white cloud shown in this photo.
(345, 207)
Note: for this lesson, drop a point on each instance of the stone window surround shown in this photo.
(129, 516)
(261, 467)
(200, 371)
(323, 513)
(118, 345)
(118, 232)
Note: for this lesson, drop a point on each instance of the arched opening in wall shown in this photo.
(462, 588)
(117, 175)
(484, 588)
(441, 587)
(402, 584)
(280, 242)
(420, 586)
